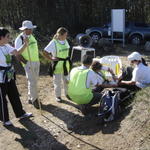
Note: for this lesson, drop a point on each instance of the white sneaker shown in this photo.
(8, 123)
(58, 99)
(26, 115)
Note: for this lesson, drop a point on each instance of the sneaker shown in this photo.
(58, 99)
(26, 115)
(30, 102)
(36, 104)
(68, 97)
(84, 109)
(8, 123)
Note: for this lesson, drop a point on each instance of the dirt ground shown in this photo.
(61, 126)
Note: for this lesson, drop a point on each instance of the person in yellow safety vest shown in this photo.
(30, 60)
(84, 84)
(58, 52)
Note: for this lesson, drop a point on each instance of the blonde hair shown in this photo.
(60, 31)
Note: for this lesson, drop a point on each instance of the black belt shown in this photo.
(5, 68)
(66, 72)
(5, 72)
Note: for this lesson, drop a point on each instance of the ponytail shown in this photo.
(60, 32)
(144, 62)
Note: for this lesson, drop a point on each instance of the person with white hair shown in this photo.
(141, 73)
(30, 60)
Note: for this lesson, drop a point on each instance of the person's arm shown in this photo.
(127, 83)
(135, 77)
(20, 58)
(107, 85)
(49, 51)
(49, 56)
(22, 48)
(110, 71)
(113, 74)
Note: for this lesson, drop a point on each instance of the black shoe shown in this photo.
(26, 115)
(36, 104)
(30, 102)
(84, 109)
(68, 97)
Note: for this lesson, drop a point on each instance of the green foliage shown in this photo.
(49, 15)
(143, 95)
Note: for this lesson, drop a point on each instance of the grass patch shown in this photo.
(143, 95)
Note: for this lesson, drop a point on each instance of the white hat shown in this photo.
(27, 25)
(134, 56)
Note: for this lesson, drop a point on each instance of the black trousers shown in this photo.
(10, 89)
(96, 97)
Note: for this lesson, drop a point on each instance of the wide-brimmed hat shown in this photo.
(27, 25)
(134, 56)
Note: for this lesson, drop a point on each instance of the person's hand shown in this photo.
(26, 41)
(54, 59)
(110, 70)
(121, 83)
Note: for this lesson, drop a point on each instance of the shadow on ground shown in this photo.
(84, 125)
(35, 137)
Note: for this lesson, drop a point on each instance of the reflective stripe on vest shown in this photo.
(62, 51)
(33, 50)
(77, 89)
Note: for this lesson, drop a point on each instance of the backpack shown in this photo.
(111, 103)
(109, 106)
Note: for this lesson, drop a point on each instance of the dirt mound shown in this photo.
(136, 127)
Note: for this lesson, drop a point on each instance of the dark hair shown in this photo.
(3, 32)
(96, 66)
(60, 31)
(87, 60)
(144, 62)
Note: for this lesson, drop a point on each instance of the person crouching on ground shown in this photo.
(83, 84)
(140, 75)
(7, 79)
(99, 69)
(58, 52)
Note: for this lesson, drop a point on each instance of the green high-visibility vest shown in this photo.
(77, 90)
(62, 51)
(31, 53)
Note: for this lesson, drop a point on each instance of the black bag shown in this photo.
(109, 106)
(50, 69)
(111, 101)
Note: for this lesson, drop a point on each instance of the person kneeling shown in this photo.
(140, 75)
(85, 84)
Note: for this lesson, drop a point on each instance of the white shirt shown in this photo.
(4, 50)
(141, 75)
(51, 47)
(92, 78)
(18, 41)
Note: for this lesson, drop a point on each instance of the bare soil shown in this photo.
(61, 126)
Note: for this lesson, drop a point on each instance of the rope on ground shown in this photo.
(70, 133)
